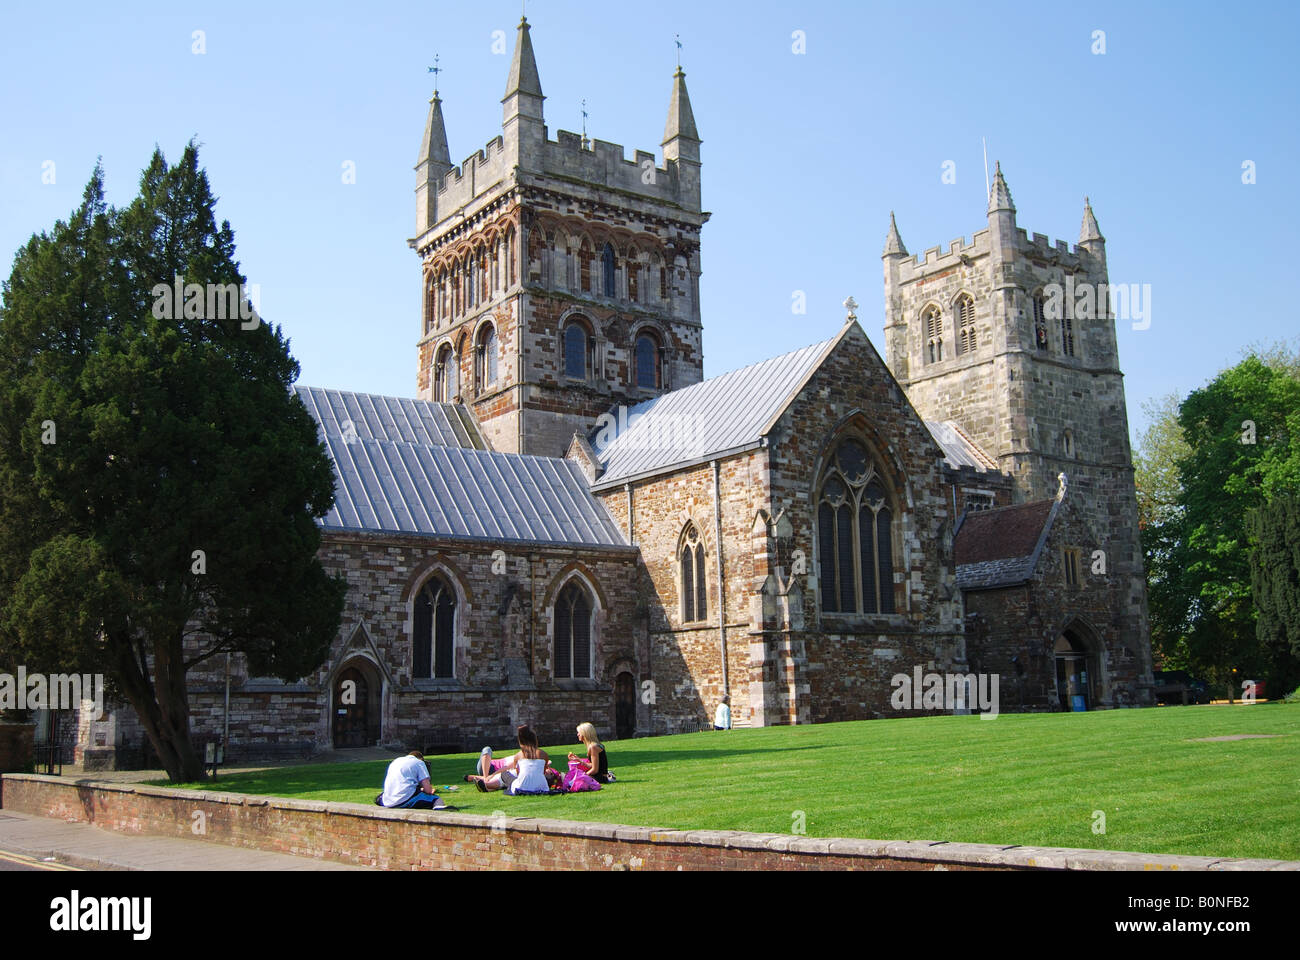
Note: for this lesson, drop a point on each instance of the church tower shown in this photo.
(1013, 338)
(560, 279)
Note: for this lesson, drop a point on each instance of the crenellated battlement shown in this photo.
(961, 252)
(476, 173)
(937, 260)
(604, 164)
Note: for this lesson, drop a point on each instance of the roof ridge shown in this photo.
(748, 366)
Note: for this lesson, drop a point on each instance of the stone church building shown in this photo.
(572, 524)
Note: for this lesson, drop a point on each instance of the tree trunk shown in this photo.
(164, 718)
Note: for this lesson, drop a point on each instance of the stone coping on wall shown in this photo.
(403, 839)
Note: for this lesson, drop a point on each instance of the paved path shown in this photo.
(89, 847)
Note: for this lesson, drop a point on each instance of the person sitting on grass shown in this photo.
(487, 765)
(407, 785)
(524, 773)
(596, 764)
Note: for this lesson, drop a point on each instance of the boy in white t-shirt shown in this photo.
(406, 785)
(722, 718)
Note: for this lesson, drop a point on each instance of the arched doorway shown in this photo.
(357, 703)
(624, 706)
(1075, 676)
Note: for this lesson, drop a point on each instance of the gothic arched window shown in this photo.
(1040, 322)
(646, 368)
(573, 611)
(964, 308)
(855, 535)
(576, 351)
(693, 586)
(1067, 335)
(486, 361)
(932, 326)
(434, 640)
(607, 265)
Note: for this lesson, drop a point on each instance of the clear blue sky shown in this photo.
(805, 155)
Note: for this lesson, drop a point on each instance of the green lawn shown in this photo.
(1019, 779)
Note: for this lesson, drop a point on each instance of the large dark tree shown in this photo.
(159, 481)
(1275, 581)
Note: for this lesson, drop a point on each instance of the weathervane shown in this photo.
(584, 123)
(435, 70)
(678, 38)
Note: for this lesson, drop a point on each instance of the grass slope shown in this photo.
(1020, 779)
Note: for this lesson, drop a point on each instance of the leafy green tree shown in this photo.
(159, 481)
(1243, 435)
(1159, 490)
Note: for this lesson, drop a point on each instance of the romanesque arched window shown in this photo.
(586, 257)
(470, 291)
(445, 376)
(573, 610)
(430, 304)
(434, 631)
(577, 350)
(964, 311)
(646, 361)
(855, 535)
(692, 585)
(633, 280)
(932, 326)
(607, 268)
(1040, 322)
(486, 357)
(510, 257)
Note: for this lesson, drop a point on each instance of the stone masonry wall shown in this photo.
(848, 660)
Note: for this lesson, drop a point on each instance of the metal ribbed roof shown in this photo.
(724, 413)
(392, 419)
(409, 466)
(958, 449)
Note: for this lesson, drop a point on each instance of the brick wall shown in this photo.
(407, 840)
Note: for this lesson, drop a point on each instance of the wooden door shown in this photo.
(624, 706)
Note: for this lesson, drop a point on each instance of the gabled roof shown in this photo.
(1000, 547)
(959, 449)
(414, 467)
(722, 415)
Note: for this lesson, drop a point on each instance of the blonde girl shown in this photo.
(596, 763)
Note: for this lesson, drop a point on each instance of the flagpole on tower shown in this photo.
(984, 140)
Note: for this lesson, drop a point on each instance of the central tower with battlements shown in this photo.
(560, 278)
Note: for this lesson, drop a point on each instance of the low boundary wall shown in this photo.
(410, 840)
